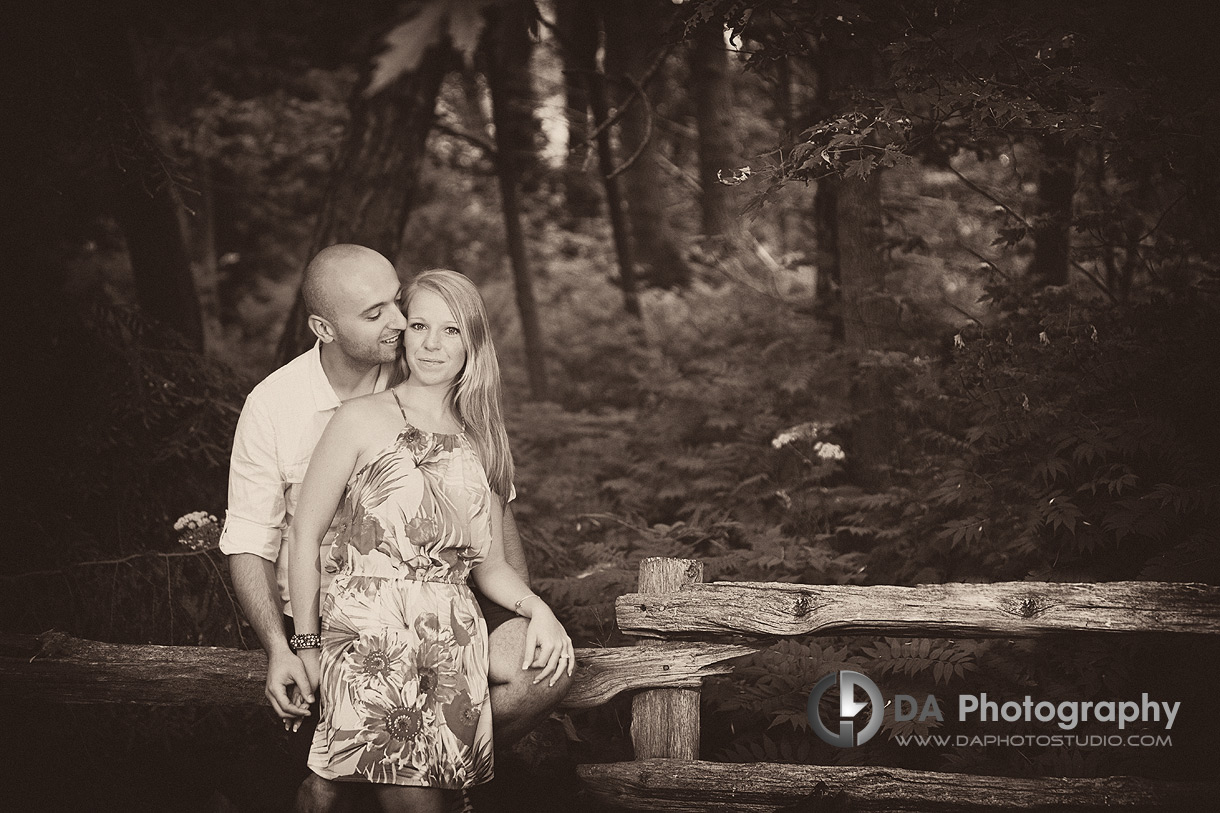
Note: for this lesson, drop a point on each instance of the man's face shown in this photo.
(366, 319)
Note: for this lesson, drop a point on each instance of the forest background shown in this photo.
(855, 293)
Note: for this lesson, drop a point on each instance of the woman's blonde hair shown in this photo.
(475, 395)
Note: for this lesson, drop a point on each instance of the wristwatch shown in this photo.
(308, 640)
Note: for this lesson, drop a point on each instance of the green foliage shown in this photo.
(138, 435)
(1060, 438)
(434, 22)
(932, 79)
(1057, 436)
(1062, 444)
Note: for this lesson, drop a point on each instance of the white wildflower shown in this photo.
(829, 451)
(802, 431)
(198, 530)
(782, 439)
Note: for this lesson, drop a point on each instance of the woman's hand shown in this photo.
(303, 694)
(548, 636)
(312, 658)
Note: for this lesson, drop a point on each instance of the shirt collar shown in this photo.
(324, 397)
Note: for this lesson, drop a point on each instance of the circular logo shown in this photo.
(849, 709)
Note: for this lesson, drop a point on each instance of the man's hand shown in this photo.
(284, 670)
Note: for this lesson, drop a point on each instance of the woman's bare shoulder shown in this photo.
(368, 405)
(367, 411)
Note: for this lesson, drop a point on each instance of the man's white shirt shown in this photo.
(280, 424)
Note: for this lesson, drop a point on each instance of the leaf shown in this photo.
(1062, 513)
(466, 22)
(1009, 236)
(861, 167)
(1051, 469)
(405, 46)
(964, 531)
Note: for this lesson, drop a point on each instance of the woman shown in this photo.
(423, 470)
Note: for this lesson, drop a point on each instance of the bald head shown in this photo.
(326, 274)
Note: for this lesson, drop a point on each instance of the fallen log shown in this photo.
(56, 667)
(1007, 609)
(691, 786)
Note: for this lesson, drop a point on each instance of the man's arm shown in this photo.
(251, 539)
(258, 594)
(514, 554)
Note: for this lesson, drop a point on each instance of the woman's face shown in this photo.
(433, 345)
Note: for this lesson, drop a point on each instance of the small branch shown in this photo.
(963, 312)
(1101, 286)
(986, 261)
(635, 156)
(639, 91)
(482, 143)
(1161, 219)
(980, 190)
(95, 563)
(678, 172)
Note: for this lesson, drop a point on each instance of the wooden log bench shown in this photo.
(673, 601)
(665, 670)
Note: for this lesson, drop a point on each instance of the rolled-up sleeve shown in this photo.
(255, 516)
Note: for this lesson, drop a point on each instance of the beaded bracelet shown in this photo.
(517, 606)
(305, 640)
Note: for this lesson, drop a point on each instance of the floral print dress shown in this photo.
(404, 645)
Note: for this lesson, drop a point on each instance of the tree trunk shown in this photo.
(870, 318)
(578, 36)
(713, 92)
(866, 323)
(507, 53)
(632, 42)
(825, 209)
(785, 113)
(614, 199)
(826, 233)
(144, 203)
(1052, 233)
(375, 176)
(509, 50)
(207, 263)
(850, 218)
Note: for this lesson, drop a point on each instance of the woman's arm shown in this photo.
(503, 585)
(332, 463)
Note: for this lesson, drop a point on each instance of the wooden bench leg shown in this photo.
(665, 722)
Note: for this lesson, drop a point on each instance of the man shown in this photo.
(352, 294)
